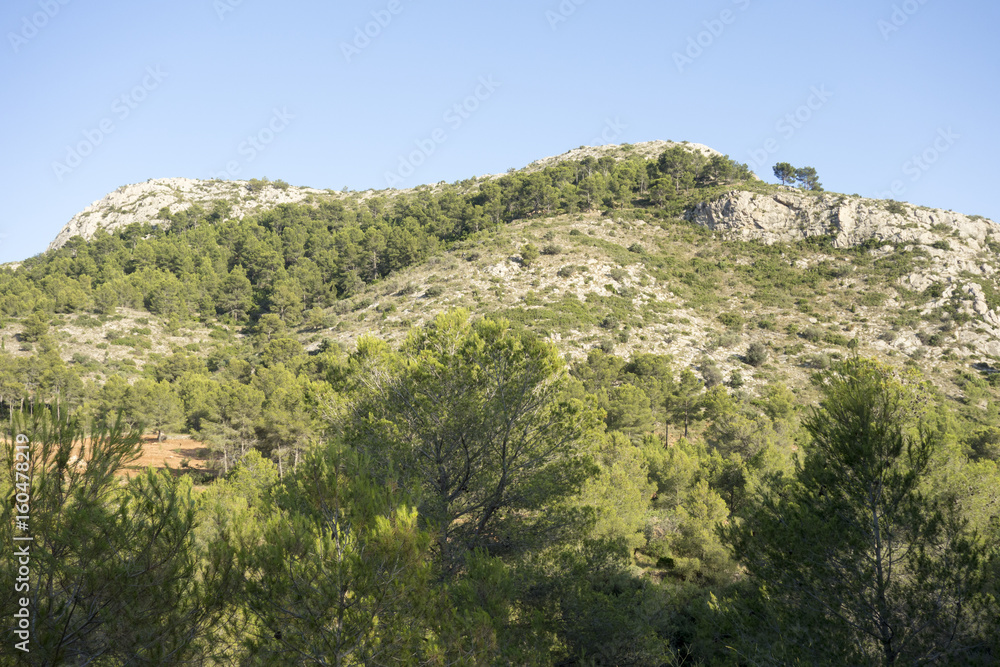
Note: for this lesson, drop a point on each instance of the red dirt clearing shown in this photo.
(179, 452)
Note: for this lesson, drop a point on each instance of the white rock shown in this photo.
(141, 202)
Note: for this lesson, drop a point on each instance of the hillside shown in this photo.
(620, 407)
(156, 198)
(811, 275)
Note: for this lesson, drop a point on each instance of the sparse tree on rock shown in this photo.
(784, 172)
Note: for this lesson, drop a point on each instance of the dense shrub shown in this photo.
(757, 354)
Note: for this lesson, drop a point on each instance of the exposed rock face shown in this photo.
(142, 202)
(963, 250)
(793, 215)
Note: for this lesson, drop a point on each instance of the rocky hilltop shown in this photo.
(646, 149)
(962, 248)
(793, 215)
(886, 278)
(141, 202)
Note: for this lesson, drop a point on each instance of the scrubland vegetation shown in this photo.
(452, 487)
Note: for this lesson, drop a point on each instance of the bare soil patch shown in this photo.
(179, 453)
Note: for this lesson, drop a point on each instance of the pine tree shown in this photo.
(114, 573)
(860, 565)
(784, 172)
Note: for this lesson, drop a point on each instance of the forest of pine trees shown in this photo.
(468, 496)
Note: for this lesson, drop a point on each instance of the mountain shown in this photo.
(808, 273)
(142, 202)
(613, 407)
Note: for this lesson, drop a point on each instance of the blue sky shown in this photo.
(871, 93)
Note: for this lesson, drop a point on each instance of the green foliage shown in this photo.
(619, 494)
(355, 562)
(807, 177)
(230, 428)
(566, 271)
(857, 563)
(784, 172)
(457, 500)
(757, 354)
(467, 417)
(683, 403)
(36, 327)
(529, 253)
(627, 409)
(894, 207)
(985, 443)
(604, 615)
(734, 321)
(114, 572)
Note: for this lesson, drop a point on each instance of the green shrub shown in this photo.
(757, 354)
(871, 299)
(609, 322)
(529, 253)
(711, 374)
(894, 207)
(819, 361)
(834, 338)
(732, 320)
(813, 333)
(551, 249)
(433, 291)
(888, 336)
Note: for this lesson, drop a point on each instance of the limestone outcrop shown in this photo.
(141, 202)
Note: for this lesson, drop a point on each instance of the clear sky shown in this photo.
(872, 93)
